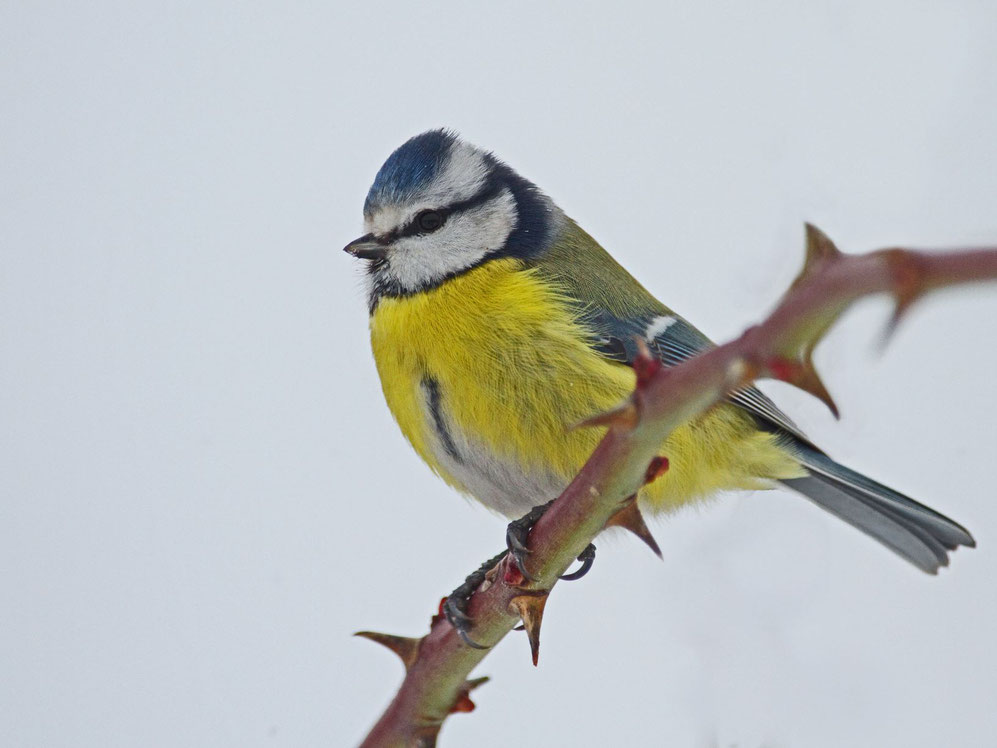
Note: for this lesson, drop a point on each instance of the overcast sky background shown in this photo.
(202, 493)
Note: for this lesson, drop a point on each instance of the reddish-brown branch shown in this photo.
(437, 666)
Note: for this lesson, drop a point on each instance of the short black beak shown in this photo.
(367, 248)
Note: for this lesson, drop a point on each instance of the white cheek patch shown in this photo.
(657, 326)
(466, 238)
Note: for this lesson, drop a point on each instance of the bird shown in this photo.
(496, 322)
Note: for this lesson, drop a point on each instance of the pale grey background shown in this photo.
(203, 493)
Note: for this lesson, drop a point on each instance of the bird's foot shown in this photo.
(518, 532)
(455, 606)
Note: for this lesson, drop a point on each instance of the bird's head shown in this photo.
(439, 207)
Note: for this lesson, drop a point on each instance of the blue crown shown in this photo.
(412, 166)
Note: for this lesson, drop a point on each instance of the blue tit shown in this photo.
(496, 322)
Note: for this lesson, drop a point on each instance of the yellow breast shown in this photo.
(510, 367)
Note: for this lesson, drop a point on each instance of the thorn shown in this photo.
(623, 415)
(819, 249)
(819, 246)
(463, 702)
(629, 518)
(815, 386)
(474, 683)
(405, 647)
(530, 609)
(655, 469)
(803, 374)
(907, 286)
(645, 365)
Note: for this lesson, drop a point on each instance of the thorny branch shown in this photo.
(781, 347)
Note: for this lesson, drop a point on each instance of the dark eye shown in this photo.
(429, 220)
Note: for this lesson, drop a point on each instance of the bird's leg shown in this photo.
(518, 532)
(516, 535)
(455, 606)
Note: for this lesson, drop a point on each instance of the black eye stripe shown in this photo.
(493, 188)
(412, 228)
(490, 190)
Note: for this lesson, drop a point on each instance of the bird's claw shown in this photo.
(586, 558)
(516, 534)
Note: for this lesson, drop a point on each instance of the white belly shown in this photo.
(497, 481)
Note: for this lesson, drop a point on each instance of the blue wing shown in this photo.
(619, 312)
(673, 340)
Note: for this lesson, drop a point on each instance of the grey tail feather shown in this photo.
(911, 530)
